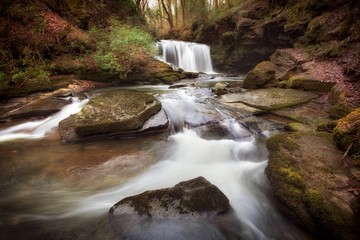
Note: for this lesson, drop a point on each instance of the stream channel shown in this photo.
(51, 190)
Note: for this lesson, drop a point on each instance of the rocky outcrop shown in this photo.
(113, 115)
(193, 197)
(311, 185)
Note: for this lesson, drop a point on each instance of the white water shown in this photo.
(192, 57)
(39, 129)
(236, 166)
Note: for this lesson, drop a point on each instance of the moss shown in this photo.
(281, 140)
(327, 126)
(115, 112)
(308, 83)
(261, 75)
(295, 127)
(347, 132)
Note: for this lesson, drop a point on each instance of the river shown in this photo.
(51, 190)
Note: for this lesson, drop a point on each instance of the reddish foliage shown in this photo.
(54, 23)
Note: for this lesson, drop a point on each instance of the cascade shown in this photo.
(192, 57)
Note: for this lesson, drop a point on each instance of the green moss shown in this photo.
(347, 132)
(262, 74)
(296, 127)
(281, 140)
(308, 83)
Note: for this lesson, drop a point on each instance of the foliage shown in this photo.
(122, 49)
(30, 68)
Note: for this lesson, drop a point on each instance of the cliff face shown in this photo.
(250, 33)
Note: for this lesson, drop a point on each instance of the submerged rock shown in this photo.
(197, 196)
(114, 115)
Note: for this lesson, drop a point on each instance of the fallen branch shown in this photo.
(347, 152)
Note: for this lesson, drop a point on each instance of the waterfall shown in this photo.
(192, 57)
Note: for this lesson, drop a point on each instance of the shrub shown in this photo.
(122, 49)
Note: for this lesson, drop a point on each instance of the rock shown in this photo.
(220, 88)
(287, 63)
(197, 196)
(191, 74)
(158, 123)
(44, 106)
(343, 102)
(270, 99)
(310, 185)
(115, 111)
(263, 74)
(347, 132)
(308, 83)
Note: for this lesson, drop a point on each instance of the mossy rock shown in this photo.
(347, 132)
(261, 75)
(308, 83)
(196, 196)
(341, 106)
(301, 169)
(115, 112)
(270, 99)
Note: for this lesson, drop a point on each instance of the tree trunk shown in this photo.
(168, 13)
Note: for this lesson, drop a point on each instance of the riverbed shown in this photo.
(51, 190)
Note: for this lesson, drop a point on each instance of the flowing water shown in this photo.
(191, 57)
(50, 190)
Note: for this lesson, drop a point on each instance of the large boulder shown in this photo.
(115, 114)
(115, 111)
(312, 186)
(193, 209)
(347, 132)
(263, 74)
(196, 196)
(43, 105)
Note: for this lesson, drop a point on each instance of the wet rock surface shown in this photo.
(197, 196)
(270, 99)
(115, 111)
(37, 105)
(311, 184)
(193, 209)
(132, 123)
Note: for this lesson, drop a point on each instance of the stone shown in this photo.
(310, 184)
(261, 75)
(115, 111)
(347, 132)
(220, 88)
(44, 106)
(197, 196)
(156, 123)
(309, 83)
(270, 99)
